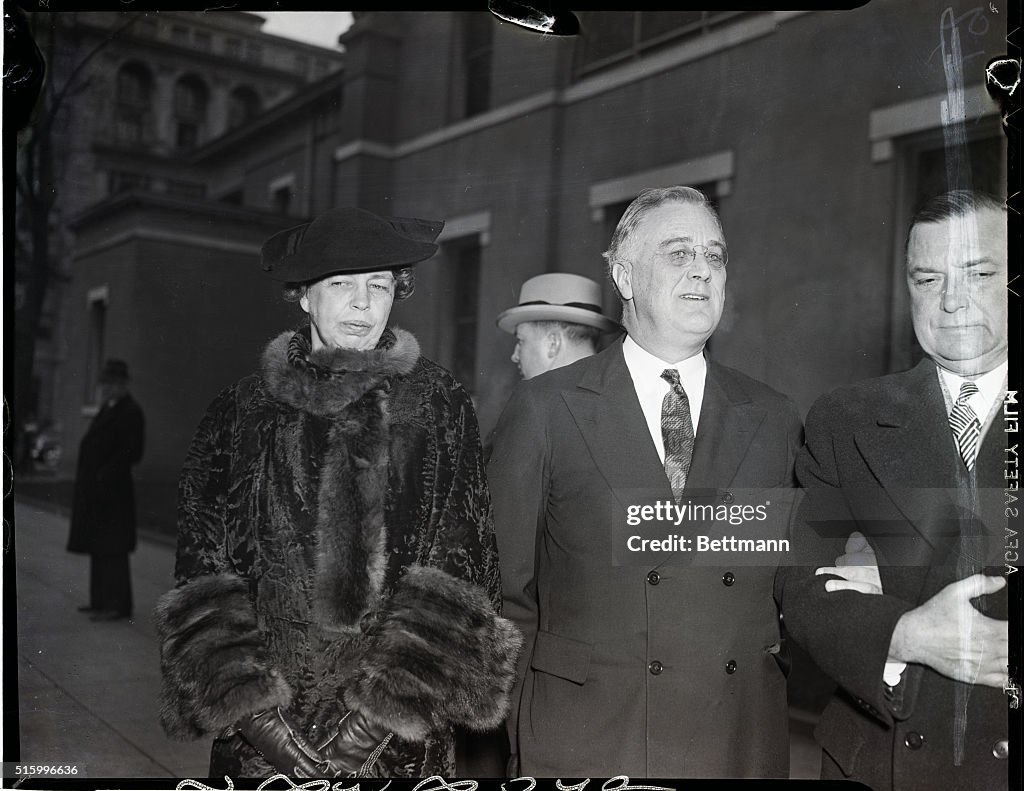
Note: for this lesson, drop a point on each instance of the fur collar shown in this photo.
(353, 372)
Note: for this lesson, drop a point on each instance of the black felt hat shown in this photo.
(348, 240)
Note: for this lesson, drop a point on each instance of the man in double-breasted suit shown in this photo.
(907, 622)
(663, 668)
(103, 508)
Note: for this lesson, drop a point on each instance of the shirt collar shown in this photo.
(643, 364)
(989, 384)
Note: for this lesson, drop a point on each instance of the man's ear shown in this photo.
(622, 276)
(554, 343)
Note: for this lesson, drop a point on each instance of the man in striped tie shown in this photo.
(907, 620)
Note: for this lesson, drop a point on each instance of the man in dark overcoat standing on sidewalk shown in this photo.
(103, 509)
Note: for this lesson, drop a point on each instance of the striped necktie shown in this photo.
(676, 432)
(965, 424)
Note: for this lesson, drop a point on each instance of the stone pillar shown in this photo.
(369, 117)
(217, 109)
(163, 127)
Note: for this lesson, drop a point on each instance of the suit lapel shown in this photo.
(910, 451)
(607, 413)
(728, 422)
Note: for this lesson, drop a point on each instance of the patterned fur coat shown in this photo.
(336, 551)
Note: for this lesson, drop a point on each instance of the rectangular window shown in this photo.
(467, 290)
(95, 344)
(610, 37)
(477, 51)
(463, 260)
(604, 34)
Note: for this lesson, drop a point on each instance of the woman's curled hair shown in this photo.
(405, 284)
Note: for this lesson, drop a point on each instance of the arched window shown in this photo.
(132, 105)
(190, 100)
(243, 104)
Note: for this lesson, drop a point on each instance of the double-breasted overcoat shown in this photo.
(662, 670)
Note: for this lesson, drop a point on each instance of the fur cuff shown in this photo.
(214, 663)
(438, 654)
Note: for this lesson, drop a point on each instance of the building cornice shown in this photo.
(144, 234)
(886, 124)
(134, 199)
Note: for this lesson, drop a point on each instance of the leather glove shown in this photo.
(282, 746)
(355, 748)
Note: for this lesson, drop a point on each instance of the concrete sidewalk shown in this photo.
(88, 692)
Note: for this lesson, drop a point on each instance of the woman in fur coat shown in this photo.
(337, 608)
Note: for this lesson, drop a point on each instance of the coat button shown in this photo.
(914, 741)
(1001, 749)
(728, 578)
(653, 578)
(727, 497)
(730, 666)
(656, 668)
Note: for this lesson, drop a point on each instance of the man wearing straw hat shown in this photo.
(558, 321)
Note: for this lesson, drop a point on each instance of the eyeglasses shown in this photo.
(717, 257)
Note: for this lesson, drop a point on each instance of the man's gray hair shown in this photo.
(646, 201)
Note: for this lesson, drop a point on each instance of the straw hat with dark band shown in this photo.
(558, 296)
(348, 240)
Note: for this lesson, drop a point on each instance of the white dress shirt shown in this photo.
(645, 370)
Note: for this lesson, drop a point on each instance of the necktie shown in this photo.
(676, 432)
(965, 424)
